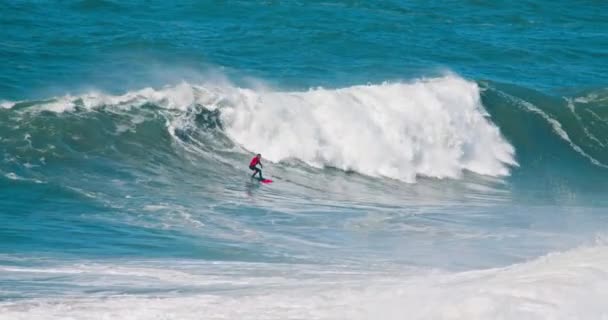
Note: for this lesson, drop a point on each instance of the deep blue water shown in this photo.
(432, 160)
(125, 45)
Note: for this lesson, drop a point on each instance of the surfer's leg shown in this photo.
(256, 170)
(259, 172)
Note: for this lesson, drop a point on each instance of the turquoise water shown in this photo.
(432, 160)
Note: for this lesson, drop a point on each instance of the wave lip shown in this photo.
(432, 127)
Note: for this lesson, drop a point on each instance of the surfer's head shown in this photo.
(259, 155)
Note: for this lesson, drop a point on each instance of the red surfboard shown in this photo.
(266, 181)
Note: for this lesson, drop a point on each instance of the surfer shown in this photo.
(253, 166)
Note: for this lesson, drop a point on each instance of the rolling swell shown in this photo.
(561, 141)
(579, 121)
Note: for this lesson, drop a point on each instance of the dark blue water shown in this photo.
(420, 152)
(126, 45)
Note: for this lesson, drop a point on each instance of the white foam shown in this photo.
(435, 128)
(570, 285)
(6, 104)
(179, 97)
(12, 176)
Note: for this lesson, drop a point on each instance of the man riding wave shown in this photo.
(253, 166)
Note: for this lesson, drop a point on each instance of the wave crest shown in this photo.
(435, 128)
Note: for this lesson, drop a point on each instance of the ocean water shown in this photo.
(431, 159)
